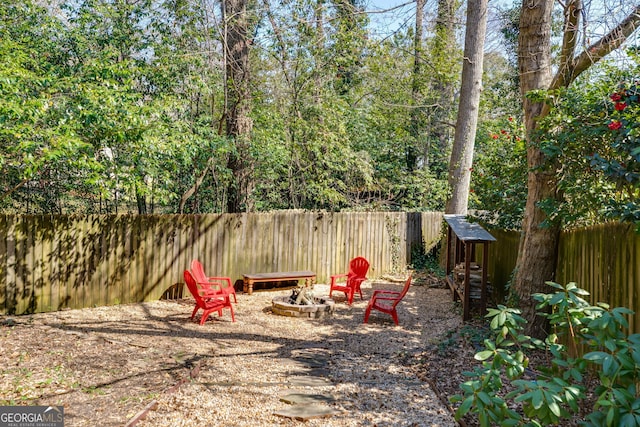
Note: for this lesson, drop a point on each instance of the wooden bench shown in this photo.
(250, 279)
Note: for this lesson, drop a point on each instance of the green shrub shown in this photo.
(430, 261)
(550, 394)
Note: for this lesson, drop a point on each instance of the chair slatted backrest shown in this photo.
(198, 271)
(359, 266)
(194, 288)
(404, 291)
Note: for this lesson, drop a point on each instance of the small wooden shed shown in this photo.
(465, 277)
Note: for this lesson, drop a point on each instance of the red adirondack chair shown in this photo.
(357, 274)
(220, 284)
(206, 300)
(386, 301)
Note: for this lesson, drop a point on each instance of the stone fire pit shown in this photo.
(322, 306)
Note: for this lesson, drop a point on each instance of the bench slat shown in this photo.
(250, 278)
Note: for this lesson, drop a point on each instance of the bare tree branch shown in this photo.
(569, 40)
(608, 43)
(277, 31)
(598, 50)
(191, 191)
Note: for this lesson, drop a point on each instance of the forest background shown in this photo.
(127, 106)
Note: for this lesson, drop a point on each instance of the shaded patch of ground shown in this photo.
(110, 363)
(107, 364)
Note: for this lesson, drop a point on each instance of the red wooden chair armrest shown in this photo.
(382, 292)
(219, 279)
(335, 277)
(209, 285)
(386, 298)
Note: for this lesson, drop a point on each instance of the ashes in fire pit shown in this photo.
(302, 303)
(302, 296)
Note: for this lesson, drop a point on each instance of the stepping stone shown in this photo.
(319, 356)
(304, 370)
(294, 365)
(311, 350)
(312, 363)
(309, 381)
(307, 412)
(307, 368)
(318, 372)
(304, 398)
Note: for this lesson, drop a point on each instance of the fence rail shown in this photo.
(603, 260)
(48, 263)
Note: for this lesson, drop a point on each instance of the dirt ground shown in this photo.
(113, 363)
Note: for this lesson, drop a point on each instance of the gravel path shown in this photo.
(113, 362)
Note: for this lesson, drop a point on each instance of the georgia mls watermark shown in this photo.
(31, 416)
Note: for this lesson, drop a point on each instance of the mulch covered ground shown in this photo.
(108, 365)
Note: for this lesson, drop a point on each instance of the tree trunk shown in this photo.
(442, 86)
(319, 40)
(238, 105)
(141, 202)
(538, 255)
(538, 248)
(417, 113)
(466, 125)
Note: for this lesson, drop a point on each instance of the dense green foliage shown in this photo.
(550, 393)
(590, 138)
(120, 106)
(620, 161)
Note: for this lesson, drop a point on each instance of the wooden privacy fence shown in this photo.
(604, 260)
(503, 254)
(48, 263)
(54, 262)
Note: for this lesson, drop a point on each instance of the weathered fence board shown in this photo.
(52, 262)
(604, 260)
(503, 254)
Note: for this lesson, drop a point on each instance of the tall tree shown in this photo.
(417, 90)
(444, 73)
(238, 103)
(467, 123)
(348, 40)
(104, 40)
(537, 258)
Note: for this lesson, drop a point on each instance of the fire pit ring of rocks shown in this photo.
(323, 306)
